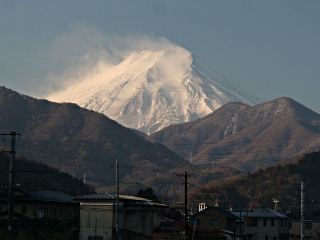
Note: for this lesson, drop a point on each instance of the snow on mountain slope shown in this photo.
(150, 90)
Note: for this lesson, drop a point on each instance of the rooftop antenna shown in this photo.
(217, 202)
(275, 203)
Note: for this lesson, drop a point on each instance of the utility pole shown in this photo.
(302, 207)
(185, 202)
(11, 183)
(117, 200)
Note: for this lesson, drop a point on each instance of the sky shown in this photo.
(269, 47)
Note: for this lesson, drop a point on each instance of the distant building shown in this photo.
(176, 230)
(266, 224)
(137, 216)
(215, 218)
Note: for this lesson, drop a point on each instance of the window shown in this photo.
(130, 212)
(252, 222)
(266, 237)
(229, 223)
(264, 222)
(214, 222)
(43, 213)
(308, 225)
(281, 223)
(24, 209)
(272, 222)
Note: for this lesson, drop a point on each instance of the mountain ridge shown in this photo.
(244, 136)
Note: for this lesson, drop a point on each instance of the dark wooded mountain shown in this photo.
(78, 141)
(244, 136)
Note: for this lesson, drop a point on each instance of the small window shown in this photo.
(272, 222)
(252, 222)
(266, 237)
(43, 213)
(264, 222)
(290, 225)
(130, 212)
(24, 209)
(308, 225)
(214, 222)
(281, 223)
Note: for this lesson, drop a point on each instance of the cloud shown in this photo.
(83, 51)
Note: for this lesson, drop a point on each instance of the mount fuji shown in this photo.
(150, 90)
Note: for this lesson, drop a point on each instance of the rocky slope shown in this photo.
(244, 136)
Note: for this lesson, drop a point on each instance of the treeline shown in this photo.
(279, 184)
(29, 173)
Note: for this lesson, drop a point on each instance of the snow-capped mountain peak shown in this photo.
(150, 90)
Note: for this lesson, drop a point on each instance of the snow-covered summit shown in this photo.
(150, 90)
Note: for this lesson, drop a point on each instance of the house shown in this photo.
(266, 224)
(215, 218)
(311, 229)
(35, 209)
(137, 216)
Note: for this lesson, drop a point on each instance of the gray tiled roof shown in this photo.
(109, 196)
(132, 200)
(266, 212)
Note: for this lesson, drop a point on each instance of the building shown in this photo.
(98, 216)
(34, 211)
(266, 224)
(215, 218)
(176, 230)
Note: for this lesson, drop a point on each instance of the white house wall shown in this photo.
(96, 220)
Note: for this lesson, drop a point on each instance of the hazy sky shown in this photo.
(271, 48)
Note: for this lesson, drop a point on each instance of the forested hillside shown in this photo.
(29, 173)
(259, 188)
(78, 141)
